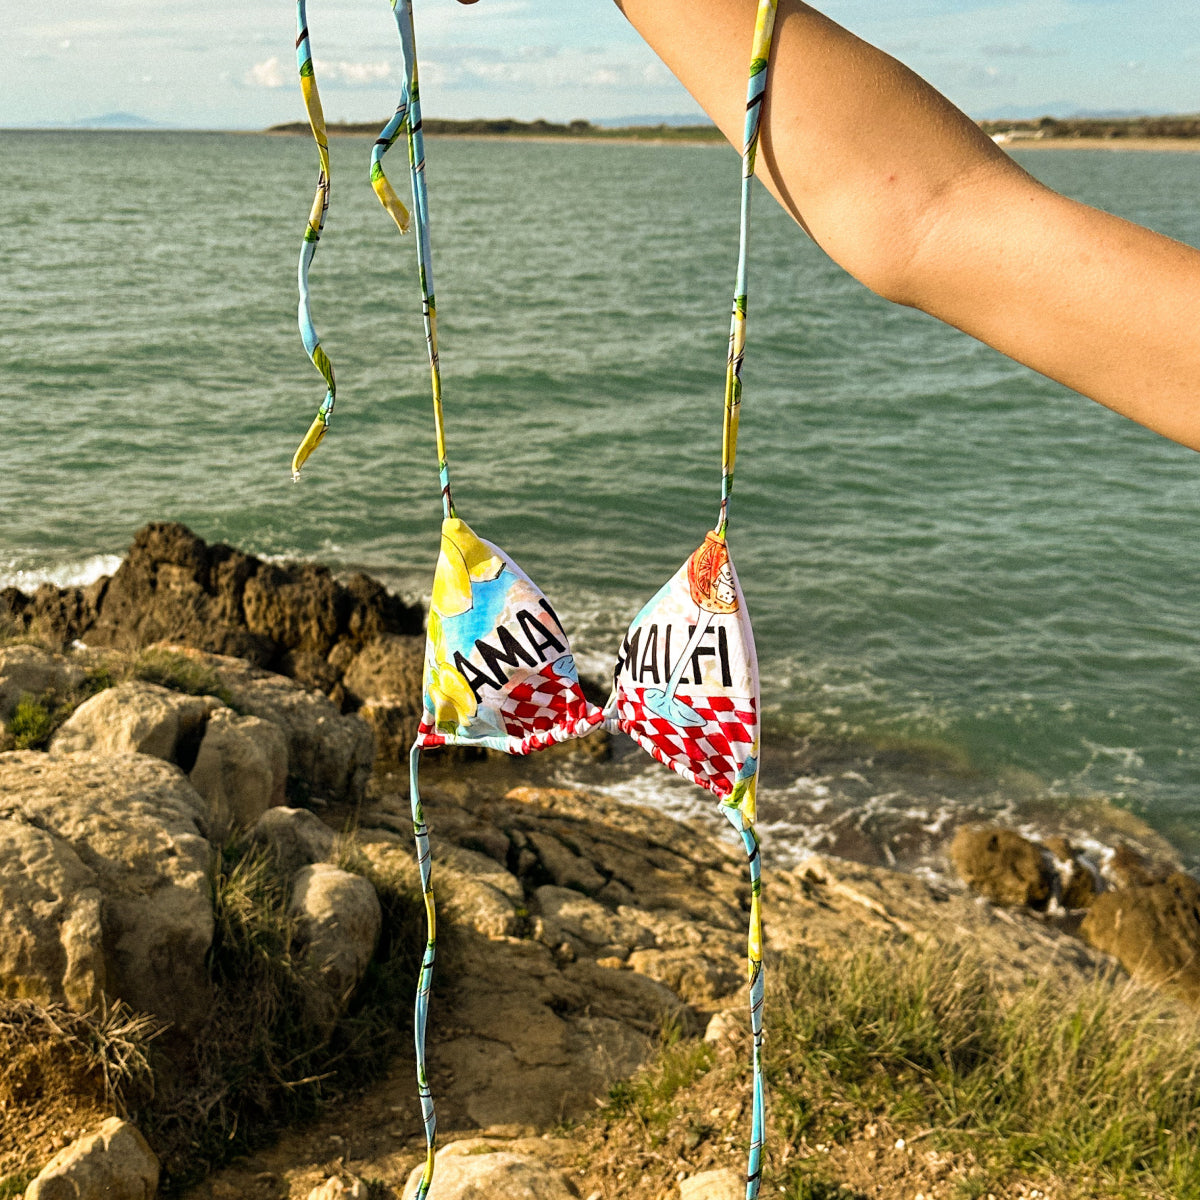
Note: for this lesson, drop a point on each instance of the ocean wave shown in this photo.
(76, 573)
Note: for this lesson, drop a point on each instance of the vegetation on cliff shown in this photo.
(903, 1069)
(1106, 128)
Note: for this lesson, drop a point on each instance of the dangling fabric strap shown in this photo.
(312, 235)
(760, 54)
(741, 816)
(425, 979)
(407, 119)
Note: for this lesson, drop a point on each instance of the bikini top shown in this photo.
(499, 672)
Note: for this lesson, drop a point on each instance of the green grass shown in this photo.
(180, 673)
(14, 1185)
(273, 1049)
(1099, 1087)
(36, 718)
(649, 1096)
(31, 724)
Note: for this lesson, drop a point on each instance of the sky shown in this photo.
(230, 64)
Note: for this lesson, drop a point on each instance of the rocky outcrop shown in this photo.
(329, 754)
(106, 890)
(113, 1163)
(138, 718)
(1153, 930)
(31, 671)
(173, 586)
(1002, 866)
(338, 921)
(296, 837)
(240, 770)
(383, 683)
(474, 1169)
(721, 1184)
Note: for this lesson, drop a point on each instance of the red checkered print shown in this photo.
(540, 703)
(708, 754)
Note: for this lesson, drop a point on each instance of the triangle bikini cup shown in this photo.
(499, 672)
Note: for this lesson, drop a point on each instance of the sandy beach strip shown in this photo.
(1174, 145)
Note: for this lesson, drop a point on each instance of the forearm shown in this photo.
(910, 196)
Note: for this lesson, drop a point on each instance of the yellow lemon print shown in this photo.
(463, 558)
(453, 701)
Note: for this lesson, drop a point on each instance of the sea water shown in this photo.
(982, 588)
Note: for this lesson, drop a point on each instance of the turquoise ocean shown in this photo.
(982, 586)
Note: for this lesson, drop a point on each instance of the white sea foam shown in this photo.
(69, 574)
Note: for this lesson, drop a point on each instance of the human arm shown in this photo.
(910, 196)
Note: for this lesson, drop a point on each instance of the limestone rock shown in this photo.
(296, 836)
(338, 923)
(32, 671)
(698, 978)
(240, 770)
(113, 1163)
(478, 893)
(389, 666)
(339, 1188)
(588, 924)
(51, 945)
(500, 1175)
(138, 718)
(1003, 866)
(1154, 931)
(329, 754)
(120, 871)
(721, 1184)
(722, 1027)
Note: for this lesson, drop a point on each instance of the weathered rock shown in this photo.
(1128, 868)
(338, 923)
(329, 754)
(32, 671)
(338, 1187)
(173, 586)
(479, 893)
(699, 978)
(296, 836)
(131, 821)
(1077, 882)
(113, 1163)
(588, 924)
(1153, 931)
(240, 770)
(1003, 866)
(51, 615)
(51, 939)
(499, 1175)
(721, 1184)
(722, 1027)
(388, 666)
(138, 718)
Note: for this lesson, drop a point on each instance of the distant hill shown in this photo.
(507, 127)
(1105, 128)
(115, 120)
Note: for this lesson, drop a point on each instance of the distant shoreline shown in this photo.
(542, 131)
(1188, 145)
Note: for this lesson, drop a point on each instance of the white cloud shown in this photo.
(352, 74)
(543, 68)
(271, 73)
(268, 74)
